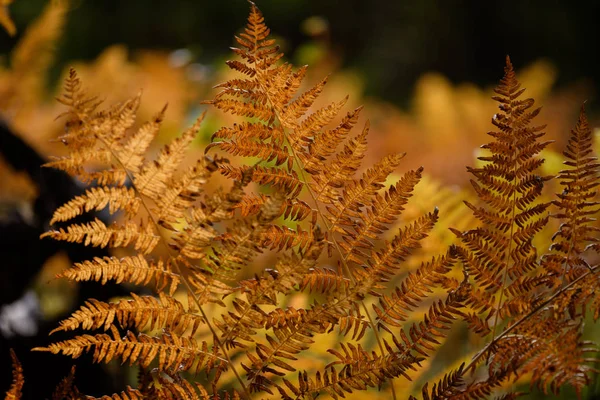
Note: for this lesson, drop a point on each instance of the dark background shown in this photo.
(391, 43)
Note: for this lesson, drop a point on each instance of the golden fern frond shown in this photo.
(32, 56)
(576, 204)
(153, 179)
(141, 236)
(324, 143)
(128, 394)
(358, 192)
(501, 252)
(384, 263)
(325, 280)
(394, 309)
(134, 269)
(284, 238)
(423, 336)
(247, 148)
(360, 370)
(171, 351)
(287, 182)
(355, 222)
(382, 212)
(141, 312)
(445, 388)
(16, 388)
(340, 170)
(116, 198)
(294, 209)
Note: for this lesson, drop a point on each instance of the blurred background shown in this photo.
(423, 69)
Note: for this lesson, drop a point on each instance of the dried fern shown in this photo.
(15, 391)
(305, 191)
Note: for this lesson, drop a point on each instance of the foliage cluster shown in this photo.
(348, 267)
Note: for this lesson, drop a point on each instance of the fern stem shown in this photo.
(300, 166)
(508, 252)
(179, 270)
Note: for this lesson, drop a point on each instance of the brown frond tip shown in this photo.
(15, 391)
(66, 388)
(128, 394)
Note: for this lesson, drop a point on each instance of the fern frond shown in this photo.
(66, 389)
(141, 236)
(324, 143)
(128, 394)
(116, 198)
(171, 351)
(325, 280)
(294, 209)
(131, 153)
(288, 182)
(154, 177)
(141, 312)
(265, 151)
(423, 336)
(135, 269)
(277, 237)
(501, 252)
(576, 204)
(33, 55)
(384, 263)
(16, 388)
(360, 371)
(381, 213)
(394, 309)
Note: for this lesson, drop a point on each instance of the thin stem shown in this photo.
(347, 271)
(508, 252)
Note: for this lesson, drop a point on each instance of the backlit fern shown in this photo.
(297, 247)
